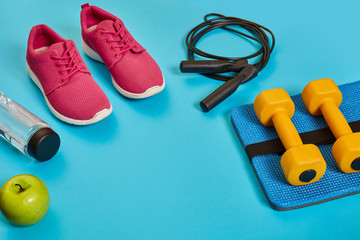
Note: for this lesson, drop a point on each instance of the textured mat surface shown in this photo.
(281, 195)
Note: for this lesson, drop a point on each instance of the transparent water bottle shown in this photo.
(26, 132)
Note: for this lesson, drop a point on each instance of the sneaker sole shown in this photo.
(148, 93)
(97, 117)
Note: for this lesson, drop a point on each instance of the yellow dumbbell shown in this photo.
(301, 164)
(323, 97)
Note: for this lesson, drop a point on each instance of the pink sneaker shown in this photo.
(55, 66)
(134, 72)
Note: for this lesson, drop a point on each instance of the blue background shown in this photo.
(160, 168)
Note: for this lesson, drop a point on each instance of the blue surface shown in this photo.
(283, 196)
(160, 168)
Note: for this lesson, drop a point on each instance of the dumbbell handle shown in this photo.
(286, 130)
(335, 119)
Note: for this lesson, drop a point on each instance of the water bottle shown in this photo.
(26, 132)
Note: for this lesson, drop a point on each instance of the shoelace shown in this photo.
(71, 63)
(122, 42)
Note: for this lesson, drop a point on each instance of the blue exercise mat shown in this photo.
(281, 195)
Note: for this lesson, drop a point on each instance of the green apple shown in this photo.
(24, 200)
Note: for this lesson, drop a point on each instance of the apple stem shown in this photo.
(21, 188)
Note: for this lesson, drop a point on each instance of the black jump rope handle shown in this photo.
(228, 88)
(212, 66)
(245, 73)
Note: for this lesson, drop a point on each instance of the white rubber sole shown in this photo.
(97, 117)
(148, 93)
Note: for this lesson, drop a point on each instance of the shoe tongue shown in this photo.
(112, 26)
(60, 47)
(107, 24)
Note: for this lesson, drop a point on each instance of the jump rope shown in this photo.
(239, 66)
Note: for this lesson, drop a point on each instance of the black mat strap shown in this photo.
(318, 137)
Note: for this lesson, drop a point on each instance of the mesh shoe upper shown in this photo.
(64, 78)
(131, 67)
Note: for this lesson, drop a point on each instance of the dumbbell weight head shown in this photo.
(268, 102)
(317, 92)
(346, 152)
(303, 164)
